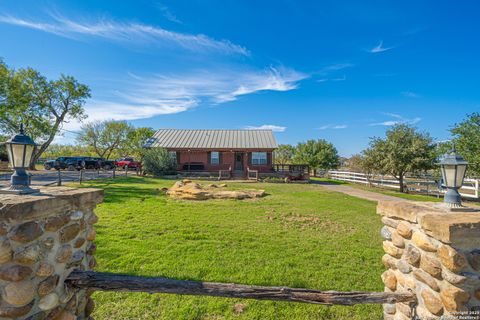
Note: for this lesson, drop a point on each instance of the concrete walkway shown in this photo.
(359, 193)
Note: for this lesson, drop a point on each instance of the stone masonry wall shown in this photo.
(435, 254)
(43, 237)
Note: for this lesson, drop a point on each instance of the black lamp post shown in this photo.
(453, 168)
(20, 149)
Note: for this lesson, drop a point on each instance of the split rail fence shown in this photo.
(427, 184)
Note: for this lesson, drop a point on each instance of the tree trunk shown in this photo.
(400, 180)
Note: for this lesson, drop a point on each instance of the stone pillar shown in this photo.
(43, 237)
(434, 253)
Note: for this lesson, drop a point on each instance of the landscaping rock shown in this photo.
(389, 248)
(64, 253)
(474, 259)
(390, 222)
(19, 293)
(398, 240)
(76, 215)
(25, 232)
(91, 234)
(404, 266)
(454, 298)
(69, 232)
(78, 242)
(423, 241)
(412, 255)
(385, 233)
(404, 229)
(389, 279)
(27, 255)
(431, 265)
(55, 223)
(389, 261)
(49, 302)
(432, 302)
(427, 279)
(7, 311)
(389, 308)
(5, 251)
(451, 258)
(45, 269)
(15, 273)
(404, 309)
(46, 286)
(188, 190)
(452, 277)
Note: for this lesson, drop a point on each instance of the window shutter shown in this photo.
(209, 155)
(269, 158)
(178, 157)
(250, 158)
(220, 158)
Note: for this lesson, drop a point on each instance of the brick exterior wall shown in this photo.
(227, 160)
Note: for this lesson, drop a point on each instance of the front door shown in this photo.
(239, 161)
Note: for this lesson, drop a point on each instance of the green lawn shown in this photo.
(298, 236)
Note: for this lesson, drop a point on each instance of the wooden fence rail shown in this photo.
(125, 283)
(428, 185)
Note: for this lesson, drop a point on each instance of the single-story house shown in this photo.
(236, 151)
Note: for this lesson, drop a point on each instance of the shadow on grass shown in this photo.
(326, 181)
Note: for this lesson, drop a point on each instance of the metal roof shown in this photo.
(212, 139)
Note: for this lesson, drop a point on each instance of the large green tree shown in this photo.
(284, 154)
(404, 150)
(466, 136)
(318, 154)
(105, 137)
(42, 105)
(135, 142)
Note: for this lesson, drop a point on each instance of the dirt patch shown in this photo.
(189, 190)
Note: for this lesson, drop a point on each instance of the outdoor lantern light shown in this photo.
(453, 168)
(20, 149)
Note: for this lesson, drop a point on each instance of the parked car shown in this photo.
(128, 163)
(72, 163)
(57, 164)
(106, 164)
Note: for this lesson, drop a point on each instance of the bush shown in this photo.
(159, 162)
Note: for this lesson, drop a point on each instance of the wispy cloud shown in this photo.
(272, 127)
(167, 13)
(379, 48)
(159, 94)
(333, 126)
(126, 32)
(410, 94)
(398, 119)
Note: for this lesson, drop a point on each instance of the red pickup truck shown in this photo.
(128, 163)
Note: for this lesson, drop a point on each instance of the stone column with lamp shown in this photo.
(433, 250)
(45, 234)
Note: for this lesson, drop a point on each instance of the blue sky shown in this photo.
(339, 70)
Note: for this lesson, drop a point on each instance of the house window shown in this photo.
(259, 158)
(173, 155)
(214, 157)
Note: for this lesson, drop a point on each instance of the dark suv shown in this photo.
(72, 163)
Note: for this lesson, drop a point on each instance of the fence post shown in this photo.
(113, 173)
(435, 253)
(81, 176)
(126, 171)
(59, 178)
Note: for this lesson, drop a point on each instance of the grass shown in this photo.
(298, 236)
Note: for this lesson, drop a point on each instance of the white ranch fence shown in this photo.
(428, 185)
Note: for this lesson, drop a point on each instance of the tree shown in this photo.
(466, 136)
(3, 150)
(158, 161)
(355, 163)
(404, 150)
(57, 150)
(318, 154)
(42, 105)
(135, 142)
(105, 136)
(284, 154)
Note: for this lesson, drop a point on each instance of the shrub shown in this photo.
(158, 162)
